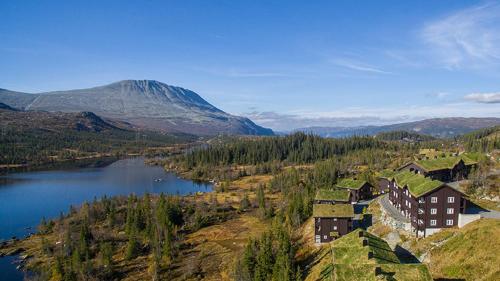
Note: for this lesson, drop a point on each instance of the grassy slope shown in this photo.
(347, 259)
(471, 252)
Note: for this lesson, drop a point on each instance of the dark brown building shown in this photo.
(332, 221)
(360, 189)
(445, 169)
(429, 204)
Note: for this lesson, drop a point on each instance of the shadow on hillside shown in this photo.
(311, 260)
(473, 209)
(366, 222)
(404, 255)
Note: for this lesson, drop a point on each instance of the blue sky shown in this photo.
(285, 64)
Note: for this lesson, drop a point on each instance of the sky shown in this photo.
(284, 64)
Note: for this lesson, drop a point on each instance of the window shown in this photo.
(420, 222)
(325, 237)
(409, 205)
(451, 199)
(450, 211)
(433, 211)
(317, 238)
(433, 222)
(334, 227)
(434, 199)
(421, 200)
(420, 211)
(334, 219)
(449, 222)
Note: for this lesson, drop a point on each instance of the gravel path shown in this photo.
(391, 210)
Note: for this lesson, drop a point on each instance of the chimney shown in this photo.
(361, 234)
(365, 242)
(370, 255)
(378, 270)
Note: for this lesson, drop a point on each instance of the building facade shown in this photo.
(430, 205)
(332, 221)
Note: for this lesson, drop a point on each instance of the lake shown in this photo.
(25, 198)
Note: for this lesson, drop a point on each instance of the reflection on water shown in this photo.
(25, 198)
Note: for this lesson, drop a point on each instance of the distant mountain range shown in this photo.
(143, 103)
(437, 127)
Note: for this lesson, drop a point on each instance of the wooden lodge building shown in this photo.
(429, 204)
(332, 221)
(360, 189)
(445, 169)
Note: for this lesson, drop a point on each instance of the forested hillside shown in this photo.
(33, 137)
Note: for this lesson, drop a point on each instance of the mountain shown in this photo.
(437, 127)
(403, 136)
(143, 103)
(6, 107)
(55, 121)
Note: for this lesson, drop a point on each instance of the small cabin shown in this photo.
(332, 221)
(360, 189)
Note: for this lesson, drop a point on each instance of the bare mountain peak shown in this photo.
(145, 103)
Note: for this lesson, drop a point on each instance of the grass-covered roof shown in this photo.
(448, 162)
(351, 183)
(337, 194)
(417, 184)
(386, 174)
(333, 211)
(348, 260)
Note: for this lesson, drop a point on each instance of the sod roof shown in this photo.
(387, 174)
(333, 211)
(442, 163)
(348, 260)
(351, 183)
(417, 184)
(341, 195)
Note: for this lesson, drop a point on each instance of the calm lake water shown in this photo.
(25, 198)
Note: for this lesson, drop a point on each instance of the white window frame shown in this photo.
(317, 238)
(434, 211)
(449, 222)
(325, 237)
(334, 219)
(433, 222)
(451, 199)
(450, 211)
(334, 227)
(434, 199)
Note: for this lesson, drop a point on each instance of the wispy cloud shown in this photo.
(358, 66)
(484, 97)
(467, 38)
